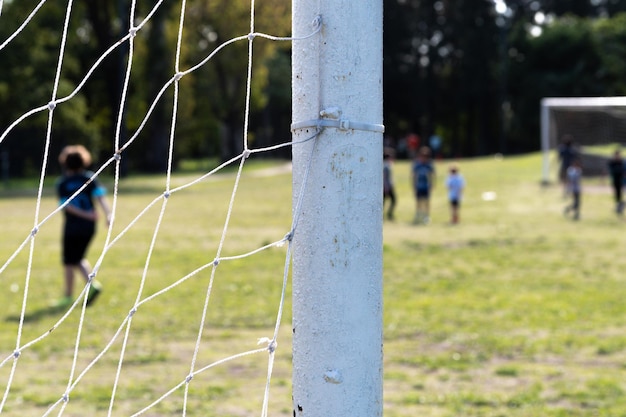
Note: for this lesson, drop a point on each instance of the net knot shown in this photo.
(132, 32)
(167, 195)
(132, 312)
(66, 397)
(246, 153)
(16, 354)
(52, 105)
(271, 343)
(178, 76)
(189, 378)
(91, 277)
(34, 231)
(216, 262)
(272, 346)
(118, 156)
(289, 236)
(251, 36)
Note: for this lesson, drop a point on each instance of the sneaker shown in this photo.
(94, 292)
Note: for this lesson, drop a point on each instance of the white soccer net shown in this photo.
(590, 121)
(130, 391)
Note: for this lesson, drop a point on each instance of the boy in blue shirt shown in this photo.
(80, 217)
(423, 178)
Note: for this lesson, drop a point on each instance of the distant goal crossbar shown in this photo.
(612, 107)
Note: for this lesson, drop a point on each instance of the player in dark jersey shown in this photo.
(423, 177)
(617, 172)
(80, 217)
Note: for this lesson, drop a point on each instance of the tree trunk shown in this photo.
(156, 148)
(231, 137)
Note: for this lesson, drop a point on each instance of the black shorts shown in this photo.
(422, 193)
(75, 247)
(455, 202)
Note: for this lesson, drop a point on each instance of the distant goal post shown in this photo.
(591, 120)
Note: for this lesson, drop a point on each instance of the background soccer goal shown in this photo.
(590, 120)
(334, 236)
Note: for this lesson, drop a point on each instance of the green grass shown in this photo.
(516, 311)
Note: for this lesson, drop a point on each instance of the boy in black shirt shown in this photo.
(616, 172)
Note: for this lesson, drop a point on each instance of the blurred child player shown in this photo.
(388, 187)
(80, 218)
(574, 178)
(455, 184)
(422, 176)
(617, 174)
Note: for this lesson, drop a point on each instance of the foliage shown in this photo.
(471, 72)
(610, 38)
(438, 58)
(211, 100)
(27, 77)
(572, 57)
(475, 75)
(220, 86)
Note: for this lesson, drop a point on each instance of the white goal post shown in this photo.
(549, 132)
(337, 262)
(334, 234)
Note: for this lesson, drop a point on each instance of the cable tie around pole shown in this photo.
(341, 124)
(331, 117)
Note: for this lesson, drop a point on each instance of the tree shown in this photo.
(475, 74)
(220, 85)
(440, 72)
(572, 57)
(610, 35)
(212, 99)
(27, 76)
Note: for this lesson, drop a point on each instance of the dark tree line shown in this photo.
(211, 105)
(470, 71)
(474, 72)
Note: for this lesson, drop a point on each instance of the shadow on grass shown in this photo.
(37, 314)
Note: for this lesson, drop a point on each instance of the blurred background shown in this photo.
(463, 76)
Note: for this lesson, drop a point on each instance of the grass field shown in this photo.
(517, 311)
